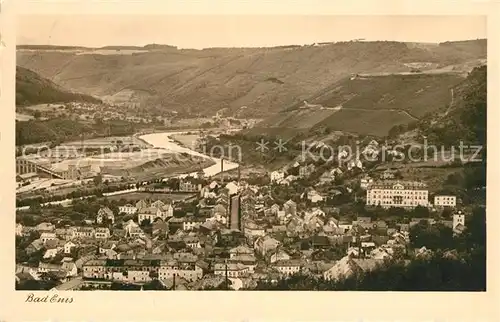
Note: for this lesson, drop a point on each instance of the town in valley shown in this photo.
(189, 180)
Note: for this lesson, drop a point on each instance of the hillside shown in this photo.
(31, 89)
(465, 118)
(63, 129)
(367, 104)
(36, 131)
(265, 80)
(462, 118)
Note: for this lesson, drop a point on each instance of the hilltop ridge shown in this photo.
(265, 80)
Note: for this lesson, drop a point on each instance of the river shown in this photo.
(163, 141)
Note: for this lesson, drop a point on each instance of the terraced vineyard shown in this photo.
(369, 105)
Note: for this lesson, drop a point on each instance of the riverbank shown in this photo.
(186, 140)
(165, 141)
(164, 168)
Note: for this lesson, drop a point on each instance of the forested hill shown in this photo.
(32, 89)
(465, 118)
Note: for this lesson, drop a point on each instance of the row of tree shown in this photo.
(98, 192)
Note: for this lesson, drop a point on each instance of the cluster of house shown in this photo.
(347, 162)
(385, 192)
(90, 111)
(243, 239)
(258, 251)
(306, 169)
(149, 211)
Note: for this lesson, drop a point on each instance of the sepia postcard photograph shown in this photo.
(243, 153)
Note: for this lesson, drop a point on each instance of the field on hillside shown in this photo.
(418, 94)
(367, 105)
(274, 132)
(297, 119)
(374, 122)
(266, 80)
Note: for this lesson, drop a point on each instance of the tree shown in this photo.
(31, 285)
(35, 207)
(475, 233)
(21, 255)
(396, 212)
(456, 163)
(432, 237)
(179, 213)
(446, 213)
(146, 226)
(305, 245)
(154, 285)
(421, 212)
(153, 274)
(475, 177)
(474, 115)
(37, 114)
(339, 180)
(98, 179)
(25, 219)
(455, 179)
(398, 253)
(76, 216)
(466, 271)
(36, 257)
(293, 171)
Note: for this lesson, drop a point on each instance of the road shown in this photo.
(451, 103)
(338, 108)
(388, 110)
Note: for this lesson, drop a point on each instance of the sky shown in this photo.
(202, 31)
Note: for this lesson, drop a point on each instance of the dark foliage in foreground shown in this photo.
(465, 270)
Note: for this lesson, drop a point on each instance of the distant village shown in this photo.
(129, 112)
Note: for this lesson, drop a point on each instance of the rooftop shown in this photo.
(402, 185)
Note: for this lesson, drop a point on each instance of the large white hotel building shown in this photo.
(403, 194)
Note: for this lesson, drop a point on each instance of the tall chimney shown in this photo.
(222, 170)
(226, 279)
